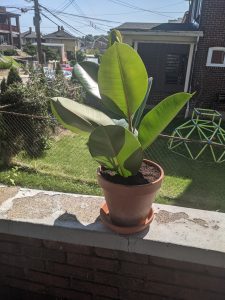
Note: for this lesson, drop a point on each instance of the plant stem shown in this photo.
(130, 124)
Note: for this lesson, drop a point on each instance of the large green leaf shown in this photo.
(139, 113)
(78, 117)
(87, 80)
(159, 117)
(91, 68)
(117, 149)
(122, 79)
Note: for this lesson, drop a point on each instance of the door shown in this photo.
(167, 64)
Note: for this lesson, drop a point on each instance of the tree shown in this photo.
(70, 55)
(13, 76)
(89, 38)
(51, 54)
(80, 56)
(3, 86)
(30, 49)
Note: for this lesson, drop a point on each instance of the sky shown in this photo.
(117, 11)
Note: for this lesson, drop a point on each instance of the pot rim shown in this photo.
(150, 162)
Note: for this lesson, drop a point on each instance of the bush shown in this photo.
(20, 132)
(80, 56)
(9, 52)
(5, 65)
(3, 86)
(30, 49)
(73, 62)
(70, 55)
(61, 87)
(99, 57)
(50, 53)
(13, 76)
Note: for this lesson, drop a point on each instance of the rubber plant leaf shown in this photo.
(91, 68)
(116, 149)
(139, 113)
(87, 81)
(155, 121)
(114, 36)
(122, 80)
(78, 117)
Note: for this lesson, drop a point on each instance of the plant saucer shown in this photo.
(105, 218)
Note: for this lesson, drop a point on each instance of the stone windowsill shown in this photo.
(178, 233)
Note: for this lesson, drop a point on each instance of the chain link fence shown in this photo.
(36, 152)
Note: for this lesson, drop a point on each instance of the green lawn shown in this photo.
(68, 167)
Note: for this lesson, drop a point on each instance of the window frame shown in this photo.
(210, 55)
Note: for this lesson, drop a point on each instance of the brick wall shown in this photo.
(39, 269)
(209, 81)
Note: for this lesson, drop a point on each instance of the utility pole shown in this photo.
(37, 20)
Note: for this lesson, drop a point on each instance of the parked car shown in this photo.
(67, 74)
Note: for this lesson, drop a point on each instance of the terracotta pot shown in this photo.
(130, 205)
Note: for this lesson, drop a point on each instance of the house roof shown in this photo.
(28, 34)
(145, 27)
(60, 34)
(9, 14)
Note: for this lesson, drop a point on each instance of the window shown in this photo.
(175, 69)
(216, 57)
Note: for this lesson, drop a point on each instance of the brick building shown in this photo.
(208, 77)
(187, 56)
(9, 29)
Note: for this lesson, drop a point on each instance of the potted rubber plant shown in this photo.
(121, 84)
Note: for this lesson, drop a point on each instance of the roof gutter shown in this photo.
(163, 33)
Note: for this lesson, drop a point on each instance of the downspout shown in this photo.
(190, 79)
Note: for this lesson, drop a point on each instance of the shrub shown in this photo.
(13, 76)
(80, 56)
(3, 86)
(20, 132)
(9, 52)
(73, 62)
(51, 54)
(5, 65)
(30, 49)
(61, 87)
(70, 55)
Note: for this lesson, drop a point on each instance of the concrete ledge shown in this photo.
(177, 233)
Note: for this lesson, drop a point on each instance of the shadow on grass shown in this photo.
(206, 187)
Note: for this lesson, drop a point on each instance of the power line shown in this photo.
(49, 19)
(78, 8)
(86, 24)
(91, 24)
(129, 5)
(134, 12)
(68, 5)
(169, 5)
(68, 25)
(86, 17)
